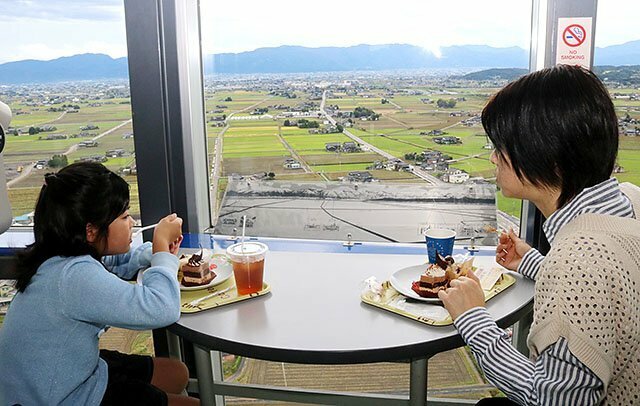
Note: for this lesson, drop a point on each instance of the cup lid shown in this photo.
(248, 248)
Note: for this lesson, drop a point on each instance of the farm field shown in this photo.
(260, 143)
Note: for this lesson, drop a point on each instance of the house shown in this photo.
(455, 176)
(51, 137)
(114, 153)
(350, 147)
(332, 146)
(359, 176)
(292, 164)
(40, 164)
(447, 140)
(88, 144)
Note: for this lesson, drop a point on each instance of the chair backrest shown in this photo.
(633, 193)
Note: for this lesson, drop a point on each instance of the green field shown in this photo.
(252, 145)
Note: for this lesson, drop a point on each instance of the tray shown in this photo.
(432, 314)
(225, 298)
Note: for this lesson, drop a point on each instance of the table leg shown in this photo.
(204, 372)
(173, 341)
(418, 382)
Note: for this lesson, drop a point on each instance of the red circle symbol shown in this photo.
(574, 35)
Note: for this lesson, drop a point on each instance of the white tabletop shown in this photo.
(313, 313)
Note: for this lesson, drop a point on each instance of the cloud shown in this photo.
(63, 10)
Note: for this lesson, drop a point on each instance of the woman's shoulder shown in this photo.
(597, 225)
(595, 241)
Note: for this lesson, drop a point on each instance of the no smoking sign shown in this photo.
(573, 46)
(574, 35)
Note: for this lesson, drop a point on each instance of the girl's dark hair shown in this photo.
(77, 195)
(558, 127)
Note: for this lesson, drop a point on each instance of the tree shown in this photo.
(446, 104)
(340, 128)
(228, 99)
(271, 175)
(287, 123)
(34, 130)
(58, 161)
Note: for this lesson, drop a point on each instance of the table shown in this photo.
(314, 315)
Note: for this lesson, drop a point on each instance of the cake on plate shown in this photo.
(197, 270)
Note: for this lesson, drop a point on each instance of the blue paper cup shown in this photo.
(440, 240)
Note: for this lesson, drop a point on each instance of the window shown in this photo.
(617, 66)
(65, 78)
(354, 120)
(345, 119)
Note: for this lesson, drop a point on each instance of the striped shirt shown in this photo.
(556, 377)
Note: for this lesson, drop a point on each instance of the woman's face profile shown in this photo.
(506, 179)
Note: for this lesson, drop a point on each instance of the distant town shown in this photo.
(401, 129)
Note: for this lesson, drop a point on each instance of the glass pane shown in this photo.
(64, 75)
(352, 120)
(616, 63)
(349, 119)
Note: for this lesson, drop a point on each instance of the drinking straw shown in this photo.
(244, 223)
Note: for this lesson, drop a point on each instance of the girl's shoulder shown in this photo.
(63, 267)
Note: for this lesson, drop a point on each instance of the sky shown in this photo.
(48, 29)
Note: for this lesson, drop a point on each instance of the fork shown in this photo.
(137, 233)
(195, 302)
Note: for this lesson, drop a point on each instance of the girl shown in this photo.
(68, 295)
(555, 134)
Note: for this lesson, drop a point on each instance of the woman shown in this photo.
(555, 134)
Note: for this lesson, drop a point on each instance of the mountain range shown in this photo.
(293, 59)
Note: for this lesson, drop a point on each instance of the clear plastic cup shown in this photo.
(248, 265)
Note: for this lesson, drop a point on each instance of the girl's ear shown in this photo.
(92, 233)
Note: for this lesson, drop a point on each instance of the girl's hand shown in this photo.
(167, 232)
(510, 250)
(175, 246)
(462, 294)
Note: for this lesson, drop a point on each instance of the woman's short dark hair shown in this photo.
(557, 126)
(77, 195)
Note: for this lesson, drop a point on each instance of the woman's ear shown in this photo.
(92, 233)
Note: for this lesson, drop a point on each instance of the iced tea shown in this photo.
(248, 276)
(248, 266)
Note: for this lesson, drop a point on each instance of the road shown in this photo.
(28, 168)
(424, 175)
(216, 165)
(294, 154)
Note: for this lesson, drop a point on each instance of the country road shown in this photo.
(416, 171)
(28, 168)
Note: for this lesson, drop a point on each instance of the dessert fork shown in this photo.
(195, 302)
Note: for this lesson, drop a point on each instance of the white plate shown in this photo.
(402, 279)
(220, 264)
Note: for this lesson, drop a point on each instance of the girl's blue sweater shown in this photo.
(49, 339)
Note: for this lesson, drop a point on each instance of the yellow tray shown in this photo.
(223, 298)
(427, 313)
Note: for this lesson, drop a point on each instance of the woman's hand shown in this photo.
(510, 250)
(462, 294)
(167, 233)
